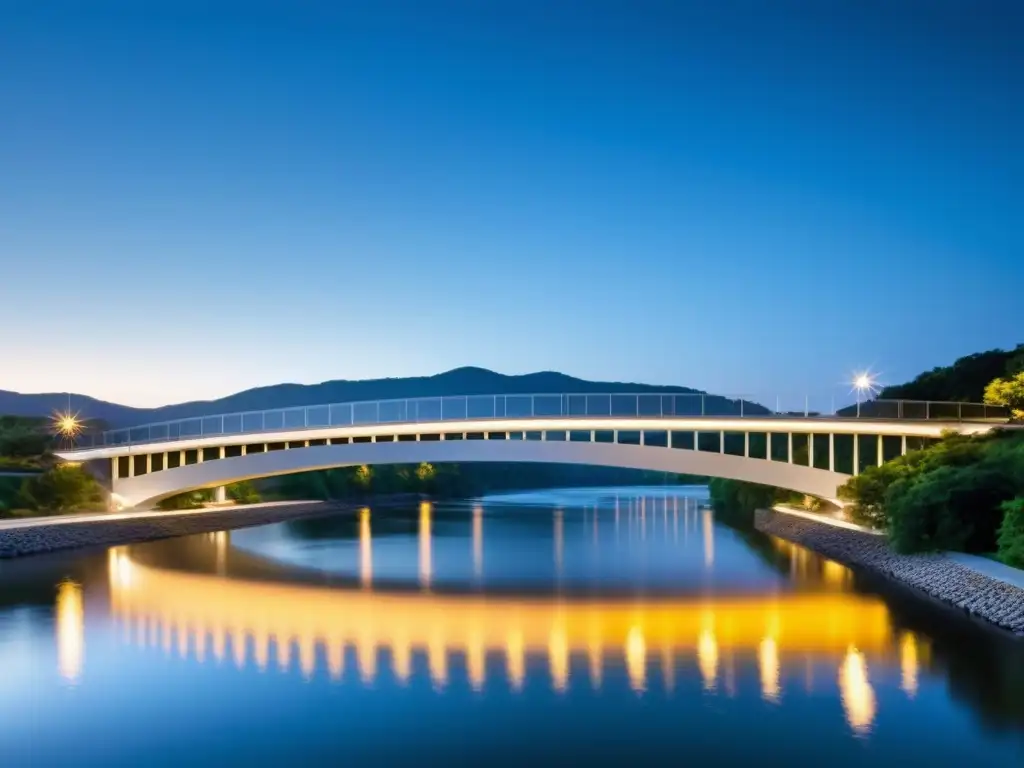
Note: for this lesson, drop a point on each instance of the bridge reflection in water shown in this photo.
(206, 616)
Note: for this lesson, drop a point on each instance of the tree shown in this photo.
(1011, 533)
(243, 492)
(1008, 392)
(65, 488)
(950, 508)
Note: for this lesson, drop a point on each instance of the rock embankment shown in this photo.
(52, 534)
(952, 583)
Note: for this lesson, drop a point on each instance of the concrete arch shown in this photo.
(146, 490)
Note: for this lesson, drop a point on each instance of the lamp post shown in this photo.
(862, 382)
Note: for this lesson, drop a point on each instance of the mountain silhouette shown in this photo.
(459, 381)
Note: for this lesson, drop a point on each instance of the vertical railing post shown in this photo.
(702, 405)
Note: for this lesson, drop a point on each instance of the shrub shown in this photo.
(1011, 533)
(952, 507)
(65, 488)
(243, 492)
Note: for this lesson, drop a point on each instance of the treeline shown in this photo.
(965, 380)
(963, 493)
(25, 443)
(455, 480)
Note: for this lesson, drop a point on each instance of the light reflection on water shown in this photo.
(806, 634)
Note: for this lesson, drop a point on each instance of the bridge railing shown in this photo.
(463, 407)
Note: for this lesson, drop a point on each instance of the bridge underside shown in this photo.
(146, 490)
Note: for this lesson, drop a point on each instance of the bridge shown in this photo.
(685, 434)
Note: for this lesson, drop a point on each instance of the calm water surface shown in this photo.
(591, 626)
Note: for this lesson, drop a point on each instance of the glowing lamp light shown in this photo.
(67, 424)
(863, 382)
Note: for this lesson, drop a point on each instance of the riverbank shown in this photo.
(937, 575)
(31, 536)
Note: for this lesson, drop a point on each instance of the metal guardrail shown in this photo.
(463, 407)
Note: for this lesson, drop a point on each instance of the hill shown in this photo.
(965, 380)
(460, 381)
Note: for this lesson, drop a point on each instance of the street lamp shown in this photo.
(862, 383)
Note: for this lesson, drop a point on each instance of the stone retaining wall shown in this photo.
(935, 574)
(15, 542)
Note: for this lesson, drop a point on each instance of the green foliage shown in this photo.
(950, 508)
(23, 438)
(736, 501)
(1008, 392)
(1011, 533)
(187, 500)
(65, 488)
(964, 380)
(867, 491)
(946, 496)
(243, 492)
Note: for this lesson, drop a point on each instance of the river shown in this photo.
(589, 626)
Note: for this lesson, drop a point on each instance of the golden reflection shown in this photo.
(515, 656)
(336, 661)
(558, 656)
(636, 659)
(668, 668)
(707, 659)
(70, 630)
(437, 661)
(856, 692)
(478, 541)
(221, 540)
(595, 660)
(401, 659)
(320, 622)
(559, 543)
(426, 567)
(366, 656)
(768, 661)
(908, 664)
(709, 539)
(365, 548)
(475, 661)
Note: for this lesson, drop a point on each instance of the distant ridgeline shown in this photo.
(963, 381)
(33, 444)
(461, 381)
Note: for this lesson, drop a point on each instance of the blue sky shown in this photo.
(745, 197)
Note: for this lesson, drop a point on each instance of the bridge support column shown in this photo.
(810, 450)
(113, 469)
(831, 451)
(220, 494)
(746, 445)
(149, 463)
(903, 445)
(789, 445)
(131, 465)
(881, 450)
(856, 455)
(721, 441)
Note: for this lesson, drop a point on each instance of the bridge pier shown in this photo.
(220, 494)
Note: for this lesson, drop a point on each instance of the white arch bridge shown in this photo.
(686, 434)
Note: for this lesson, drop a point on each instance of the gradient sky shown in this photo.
(746, 197)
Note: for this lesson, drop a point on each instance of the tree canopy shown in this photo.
(965, 380)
